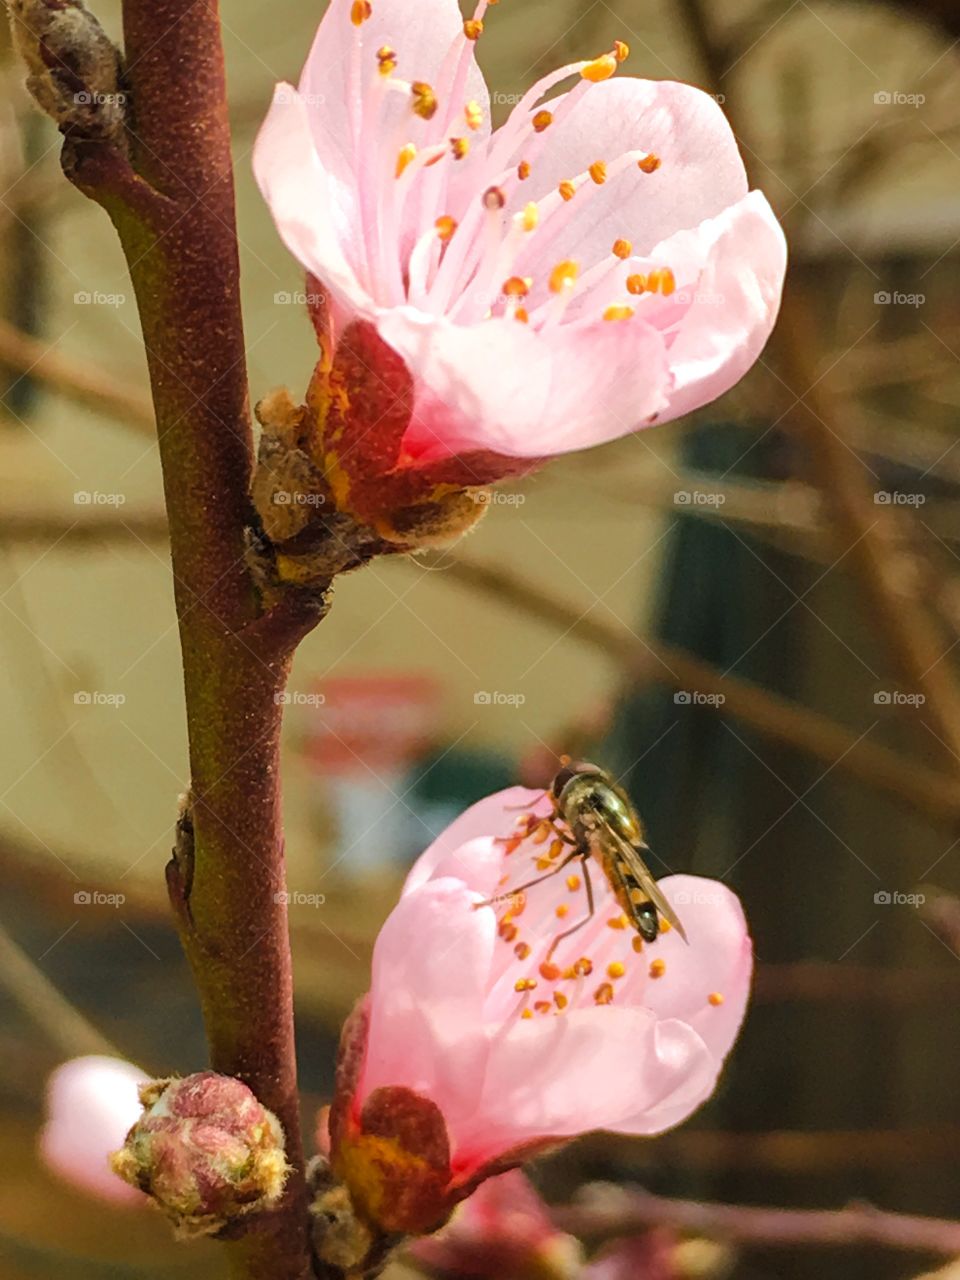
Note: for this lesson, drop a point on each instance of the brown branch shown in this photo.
(935, 795)
(610, 1212)
(75, 380)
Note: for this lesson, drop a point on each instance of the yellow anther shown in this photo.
(658, 968)
(527, 1013)
(523, 170)
(549, 972)
(522, 315)
(560, 1000)
(386, 60)
(561, 910)
(598, 172)
(567, 189)
(583, 967)
(665, 925)
(622, 248)
(405, 155)
(542, 120)
(446, 226)
(524, 984)
(508, 931)
(473, 28)
(601, 68)
(522, 950)
(621, 50)
(531, 215)
(563, 276)
(424, 100)
(618, 922)
(360, 11)
(615, 970)
(543, 1006)
(661, 279)
(459, 147)
(649, 164)
(637, 945)
(636, 284)
(518, 287)
(716, 999)
(473, 114)
(603, 994)
(494, 198)
(618, 313)
(573, 883)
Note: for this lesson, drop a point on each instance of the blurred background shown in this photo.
(751, 616)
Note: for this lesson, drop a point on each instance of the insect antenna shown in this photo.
(580, 923)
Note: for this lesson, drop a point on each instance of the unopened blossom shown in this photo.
(205, 1150)
(483, 1041)
(594, 265)
(91, 1102)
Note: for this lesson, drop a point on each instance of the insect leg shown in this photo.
(580, 923)
(521, 888)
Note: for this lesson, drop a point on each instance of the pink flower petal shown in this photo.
(91, 1103)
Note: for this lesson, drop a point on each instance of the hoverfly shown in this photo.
(602, 824)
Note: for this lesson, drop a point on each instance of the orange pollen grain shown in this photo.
(360, 11)
(523, 170)
(618, 922)
(601, 68)
(518, 903)
(493, 198)
(561, 911)
(560, 1000)
(615, 970)
(404, 156)
(603, 994)
(512, 844)
(549, 972)
(524, 984)
(531, 216)
(636, 284)
(573, 883)
(473, 29)
(665, 925)
(424, 100)
(522, 315)
(658, 968)
(562, 276)
(516, 287)
(473, 114)
(649, 164)
(716, 999)
(527, 1013)
(386, 60)
(522, 950)
(543, 1006)
(583, 967)
(508, 931)
(637, 945)
(459, 147)
(446, 226)
(622, 248)
(567, 190)
(598, 172)
(544, 862)
(621, 50)
(542, 120)
(542, 833)
(556, 846)
(618, 313)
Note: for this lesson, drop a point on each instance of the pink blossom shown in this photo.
(513, 1051)
(614, 218)
(91, 1103)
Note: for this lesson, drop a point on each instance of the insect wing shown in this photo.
(641, 873)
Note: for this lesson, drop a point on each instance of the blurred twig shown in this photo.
(609, 1211)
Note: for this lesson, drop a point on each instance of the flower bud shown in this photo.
(205, 1150)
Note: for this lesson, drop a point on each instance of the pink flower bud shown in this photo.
(205, 1150)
